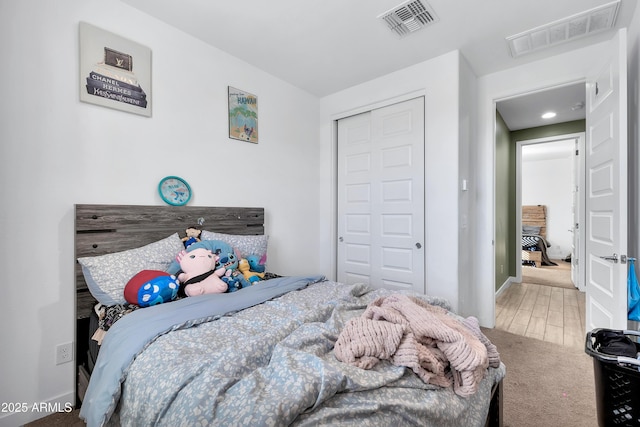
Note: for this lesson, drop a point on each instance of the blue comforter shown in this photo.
(261, 357)
(129, 336)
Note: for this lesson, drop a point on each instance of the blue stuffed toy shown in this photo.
(151, 287)
(256, 263)
(232, 277)
(158, 290)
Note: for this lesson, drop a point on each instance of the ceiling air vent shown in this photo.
(576, 26)
(409, 17)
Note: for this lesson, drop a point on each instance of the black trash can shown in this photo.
(617, 379)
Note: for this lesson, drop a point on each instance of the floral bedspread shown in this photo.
(273, 365)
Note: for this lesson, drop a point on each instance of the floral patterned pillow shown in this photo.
(246, 245)
(107, 275)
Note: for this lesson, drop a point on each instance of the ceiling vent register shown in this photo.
(573, 27)
(409, 17)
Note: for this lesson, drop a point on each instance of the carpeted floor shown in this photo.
(62, 419)
(549, 275)
(546, 384)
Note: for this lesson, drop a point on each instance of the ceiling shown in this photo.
(326, 46)
(526, 111)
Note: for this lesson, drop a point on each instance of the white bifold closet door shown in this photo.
(381, 202)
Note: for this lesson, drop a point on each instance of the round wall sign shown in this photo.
(174, 190)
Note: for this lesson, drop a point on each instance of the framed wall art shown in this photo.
(114, 72)
(243, 115)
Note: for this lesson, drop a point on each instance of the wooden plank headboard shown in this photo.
(103, 229)
(535, 215)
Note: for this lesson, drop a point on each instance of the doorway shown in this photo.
(550, 192)
(542, 301)
(541, 167)
(604, 70)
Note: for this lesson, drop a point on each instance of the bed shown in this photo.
(534, 236)
(284, 351)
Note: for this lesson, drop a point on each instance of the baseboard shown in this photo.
(22, 413)
(507, 283)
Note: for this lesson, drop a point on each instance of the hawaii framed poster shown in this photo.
(114, 72)
(243, 115)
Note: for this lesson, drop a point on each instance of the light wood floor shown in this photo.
(547, 313)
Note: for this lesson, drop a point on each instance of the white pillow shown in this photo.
(107, 275)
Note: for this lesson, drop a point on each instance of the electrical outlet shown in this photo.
(64, 353)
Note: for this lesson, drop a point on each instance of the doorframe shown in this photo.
(488, 316)
(547, 72)
(334, 165)
(580, 138)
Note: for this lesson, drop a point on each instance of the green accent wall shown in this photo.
(503, 218)
(506, 210)
(547, 131)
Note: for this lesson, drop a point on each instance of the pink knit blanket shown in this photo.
(407, 331)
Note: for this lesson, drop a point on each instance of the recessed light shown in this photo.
(549, 115)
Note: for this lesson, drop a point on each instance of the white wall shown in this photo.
(438, 80)
(467, 190)
(561, 69)
(56, 151)
(547, 179)
(633, 76)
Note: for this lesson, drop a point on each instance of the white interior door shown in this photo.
(575, 243)
(381, 197)
(606, 182)
(577, 249)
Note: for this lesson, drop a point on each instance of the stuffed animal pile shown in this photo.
(228, 260)
(203, 267)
